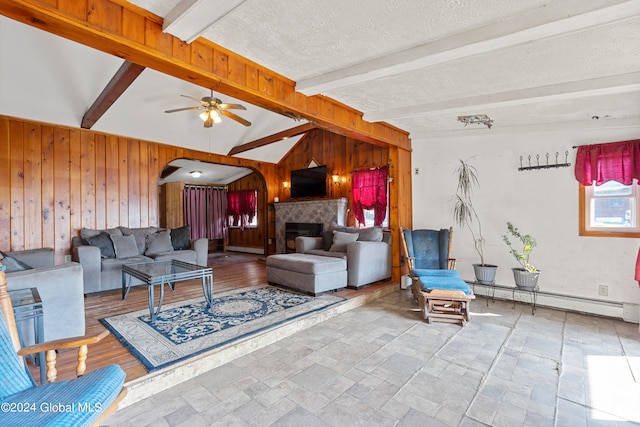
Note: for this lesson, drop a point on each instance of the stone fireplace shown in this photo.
(325, 212)
(295, 229)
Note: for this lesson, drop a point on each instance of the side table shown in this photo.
(27, 305)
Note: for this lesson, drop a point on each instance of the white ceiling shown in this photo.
(531, 65)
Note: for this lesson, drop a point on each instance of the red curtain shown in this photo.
(369, 191)
(241, 207)
(205, 211)
(614, 161)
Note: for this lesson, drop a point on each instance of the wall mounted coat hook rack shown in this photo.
(546, 165)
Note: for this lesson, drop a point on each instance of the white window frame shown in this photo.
(588, 196)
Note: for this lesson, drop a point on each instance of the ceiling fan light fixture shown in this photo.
(204, 116)
(215, 116)
(195, 174)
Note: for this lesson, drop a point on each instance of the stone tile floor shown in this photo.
(380, 365)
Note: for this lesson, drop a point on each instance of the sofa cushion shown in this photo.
(124, 246)
(158, 243)
(186, 255)
(181, 238)
(340, 241)
(103, 242)
(87, 233)
(140, 235)
(370, 234)
(306, 264)
(12, 264)
(322, 252)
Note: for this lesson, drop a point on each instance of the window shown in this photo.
(608, 174)
(369, 193)
(610, 209)
(242, 209)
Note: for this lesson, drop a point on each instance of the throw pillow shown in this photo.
(181, 238)
(103, 241)
(327, 239)
(13, 264)
(340, 241)
(158, 243)
(87, 233)
(371, 234)
(140, 235)
(124, 246)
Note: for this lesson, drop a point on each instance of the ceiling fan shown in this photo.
(212, 108)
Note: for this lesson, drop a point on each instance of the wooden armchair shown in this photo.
(84, 401)
(436, 284)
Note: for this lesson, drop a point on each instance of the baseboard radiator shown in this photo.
(626, 311)
(245, 249)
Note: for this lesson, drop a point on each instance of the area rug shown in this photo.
(188, 328)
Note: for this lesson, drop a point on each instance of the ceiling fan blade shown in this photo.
(231, 107)
(183, 109)
(195, 99)
(236, 118)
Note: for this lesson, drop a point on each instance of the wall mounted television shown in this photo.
(310, 182)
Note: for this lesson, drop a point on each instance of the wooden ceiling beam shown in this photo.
(122, 79)
(124, 30)
(288, 133)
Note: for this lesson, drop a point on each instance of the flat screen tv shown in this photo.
(310, 182)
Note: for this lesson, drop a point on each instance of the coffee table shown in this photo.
(160, 273)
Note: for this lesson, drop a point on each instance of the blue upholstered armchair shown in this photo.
(81, 402)
(427, 253)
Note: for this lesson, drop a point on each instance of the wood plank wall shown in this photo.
(56, 180)
(339, 153)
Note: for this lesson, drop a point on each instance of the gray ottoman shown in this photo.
(309, 273)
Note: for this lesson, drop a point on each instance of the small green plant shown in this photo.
(528, 243)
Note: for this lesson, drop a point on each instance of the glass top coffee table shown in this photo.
(160, 273)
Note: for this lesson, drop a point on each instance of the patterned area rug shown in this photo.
(187, 328)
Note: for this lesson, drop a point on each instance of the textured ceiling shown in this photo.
(531, 65)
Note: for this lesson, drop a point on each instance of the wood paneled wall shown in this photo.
(56, 180)
(339, 153)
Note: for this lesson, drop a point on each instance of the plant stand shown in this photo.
(533, 293)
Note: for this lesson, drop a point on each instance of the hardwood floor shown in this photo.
(227, 275)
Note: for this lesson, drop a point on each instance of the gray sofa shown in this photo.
(102, 253)
(368, 255)
(60, 289)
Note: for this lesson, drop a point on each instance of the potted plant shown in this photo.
(526, 276)
(465, 215)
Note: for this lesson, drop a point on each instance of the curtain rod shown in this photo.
(369, 169)
(220, 187)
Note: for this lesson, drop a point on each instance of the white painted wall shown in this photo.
(543, 203)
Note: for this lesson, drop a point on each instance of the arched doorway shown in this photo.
(178, 173)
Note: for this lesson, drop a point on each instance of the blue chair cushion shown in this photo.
(429, 283)
(429, 248)
(422, 272)
(76, 402)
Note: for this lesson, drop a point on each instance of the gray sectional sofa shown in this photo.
(366, 250)
(102, 253)
(60, 289)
